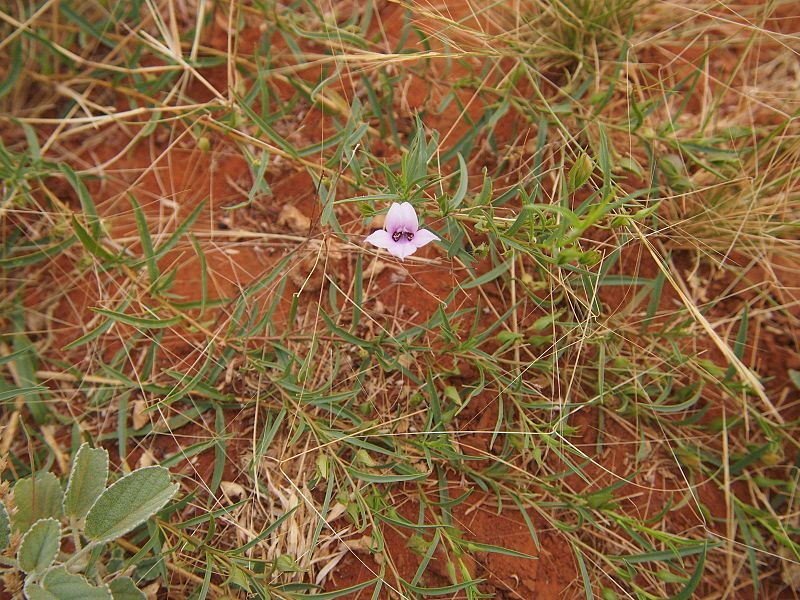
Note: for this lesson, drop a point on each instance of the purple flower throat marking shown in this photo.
(398, 235)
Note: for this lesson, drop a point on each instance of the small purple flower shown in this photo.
(401, 234)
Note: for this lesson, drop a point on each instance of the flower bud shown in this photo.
(580, 172)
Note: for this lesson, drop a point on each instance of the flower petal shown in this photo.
(381, 239)
(422, 237)
(401, 217)
(401, 251)
(393, 217)
(410, 220)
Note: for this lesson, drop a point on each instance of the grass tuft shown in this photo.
(601, 354)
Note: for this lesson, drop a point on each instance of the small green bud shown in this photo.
(84, 262)
(647, 132)
(590, 257)
(580, 172)
(567, 255)
(322, 465)
(451, 393)
(286, 564)
(608, 594)
(481, 250)
(363, 458)
(688, 459)
(771, 459)
(417, 544)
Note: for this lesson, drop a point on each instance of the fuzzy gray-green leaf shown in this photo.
(128, 503)
(33, 591)
(123, 588)
(39, 546)
(37, 498)
(65, 586)
(87, 480)
(5, 527)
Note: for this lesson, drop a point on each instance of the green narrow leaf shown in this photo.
(488, 276)
(14, 68)
(34, 149)
(202, 594)
(327, 197)
(443, 591)
(139, 322)
(182, 389)
(122, 429)
(694, 580)
(795, 377)
(587, 584)
(92, 245)
(258, 167)
(423, 565)
(655, 298)
(12, 356)
(527, 519)
(25, 391)
(176, 236)
(662, 555)
(266, 533)
(373, 478)
(129, 503)
(338, 593)
(87, 480)
(219, 451)
(358, 292)
(203, 274)
(37, 498)
(147, 241)
(34, 257)
(356, 341)
(26, 365)
(267, 435)
(463, 181)
(538, 156)
(605, 158)
(39, 546)
(749, 545)
(491, 548)
(123, 588)
(89, 209)
(99, 330)
(325, 504)
(269, 131)
(741, 340)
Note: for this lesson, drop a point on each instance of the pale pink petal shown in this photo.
(422, 237)
(401, 251)
(409, 221)
(401, 217)
(394, 217)
(381, 239)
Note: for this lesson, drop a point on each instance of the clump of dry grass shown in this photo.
(185, 188)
